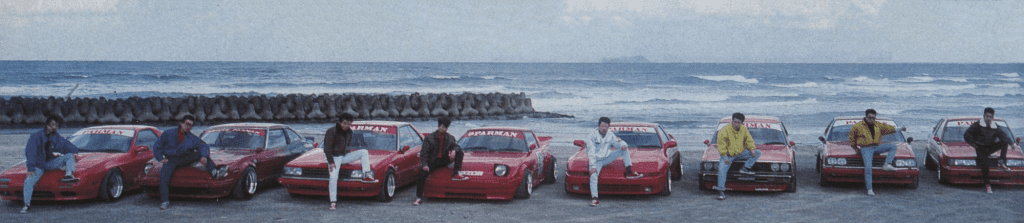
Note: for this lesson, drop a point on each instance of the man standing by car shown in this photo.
(46, 150)
(336, 142)
(434, 155)
(986, 137)
(866, 139)
(177, 148)
(734, 142)
(603, 147)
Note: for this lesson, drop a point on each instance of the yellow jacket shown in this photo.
(860, 135)
(732, 142)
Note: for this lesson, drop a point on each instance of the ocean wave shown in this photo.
(736, 78)
(918, 79)
(1008, 74)
(443, 77)
(804, 85)
(1005, 85)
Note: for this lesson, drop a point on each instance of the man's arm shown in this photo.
(748, 142)
(158, 147)
(425, 151)
(852, 136)
(969, 134)
(66, 146)
(329, 146)
(591, 149)
(31, 151)
(723, 142)
(886, 128)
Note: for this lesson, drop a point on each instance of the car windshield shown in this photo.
(234, 140)
(956, 133)
(640, 139)
(106, 143)
(371, 140)
(493, 144)
(842, 134)
(762, 136)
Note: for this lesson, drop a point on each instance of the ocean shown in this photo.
(687, 99)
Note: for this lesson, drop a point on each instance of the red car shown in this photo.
(838, 162)
(653, 153)
(774, 171)
(954, 159)
(245, 154)
(501, 163)
(393, 148)
(109, 161)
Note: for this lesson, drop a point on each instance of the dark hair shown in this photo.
(605, 120)
(54, 118)
(739, 116)
(188, 118)
(345, 117)
(445, 121)
(870, 112)
(989, 110)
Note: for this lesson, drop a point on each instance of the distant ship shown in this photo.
(636, 59)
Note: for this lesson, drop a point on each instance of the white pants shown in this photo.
(364, 159)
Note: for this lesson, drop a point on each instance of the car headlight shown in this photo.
(1009, 163)
(836, 161)
(500, 170)
(709, 165)
(220, 172)
(145, 170)
(784, 167)
(775, 167)
(962, 162)
(5, 180)
(358, 174)
(294, 171)
(906, 162)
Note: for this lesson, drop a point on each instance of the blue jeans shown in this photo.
(67, 161)
(723, 169)
(173, 163)
(364, 159)
(868, 153)
(600, 163)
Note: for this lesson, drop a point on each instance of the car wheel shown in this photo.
(246, 185)
(822, 181)
(668, 182)
(678, 173)
(112, 187)
(817, 165)
(942, 180)
(387, 189)
(792, 185)
(928, 163)
(525, 186)
(549, 173)
(701, 183)
(915, 183)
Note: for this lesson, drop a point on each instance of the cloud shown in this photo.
(20, 13)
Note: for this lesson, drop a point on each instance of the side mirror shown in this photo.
(707, 142)
(671, 144)
(316, 145)
(580, 143)
(533, 146)
(1018, 140)
(791, 143)
(259, 149)
(140, 149)
(821, 138)
(671, 136)
(403, 149)
(910, 140)
(936, 138)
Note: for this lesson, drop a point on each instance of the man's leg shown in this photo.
(332, 179)
(422, 181)
(1002, 147)
(751, 158)
(168, 169)
(723, 171)
(981, 159)
(889, 149)
(599, 165)
(867, 154)
(364, 161)
(30, 184)
(457, 165)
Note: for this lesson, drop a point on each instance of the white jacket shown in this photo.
(599, 147)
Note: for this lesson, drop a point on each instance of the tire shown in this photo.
(112, 186)
(246, 185)
(700, 184)
(822, 181)
(549, 172)
(928, 163)
(387, 188)
(791, 188)
(668, 183)
(817, 165)
(915, 184)
(678, 173)
(942, 180)
(525, 186)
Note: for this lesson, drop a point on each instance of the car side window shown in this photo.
(530, 138)
(276, 139)
(294, 137)
(661, 134)
(145, 138)
(408, 137)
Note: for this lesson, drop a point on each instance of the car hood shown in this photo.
(843, 149)
(963, 150)
(769, 153)
(316, 159)
(230, 156)
(85, 161)
(644, 160)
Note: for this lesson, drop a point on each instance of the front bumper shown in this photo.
(192, 187)
(614, 183)
(491, 187)
(760, 181)
(972, 175)
(319, 186)
(54, 190)
(902, 175)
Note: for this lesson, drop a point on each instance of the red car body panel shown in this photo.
(940, 153)
(479, 167)
(652, 162)
(854, 174)
(91, 168)
(195, 182)
(405, 164)
(763, 180)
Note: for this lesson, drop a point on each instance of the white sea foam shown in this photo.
(488, 77)
(1008, 74)
(442, 77)
(736, 78)
(804, 85)
(924, 79)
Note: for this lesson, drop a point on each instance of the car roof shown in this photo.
(505, 128)
(384, 123)
(132, 127)
(249, 125)
(634, 124)
(753, 118)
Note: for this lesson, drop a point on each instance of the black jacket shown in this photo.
(976, 135)
(431, 147)
(336, 142)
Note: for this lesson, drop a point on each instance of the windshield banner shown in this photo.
(970, 122)
(512, 134)
(757, 125)
(374, 128)
(259, 132)
(852, 122)
(631, 129)
(128, 133)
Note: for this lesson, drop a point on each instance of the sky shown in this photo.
(569, 31)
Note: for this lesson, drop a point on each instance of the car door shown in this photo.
(536, 154)
(138, 158)
(408, 162)
(271, 160)
(297, 145)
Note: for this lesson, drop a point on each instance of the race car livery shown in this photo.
(954, 160)
(774, 170)
(838, 162)
(653, 153)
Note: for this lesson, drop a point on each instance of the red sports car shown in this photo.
(954, 159)
(653, 153)
(109, 161)
(838, 162)
(774, 171)
(393, 148)
(245, 154)
(501, 163)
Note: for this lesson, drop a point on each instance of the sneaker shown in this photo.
(165, 205)
(746, 171)
(633, 175)
(721, 195)
(888, 167)
(24, 209)
(333, 206)
(988, 189)
(369, 179)
(460, 177)
(594, 203)
(69, 179)
(417, 202)
(871, 193)
(1002, 166)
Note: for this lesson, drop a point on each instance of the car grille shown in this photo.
(36, 194)
(860, 162)
(318, 173)
(616, 187)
